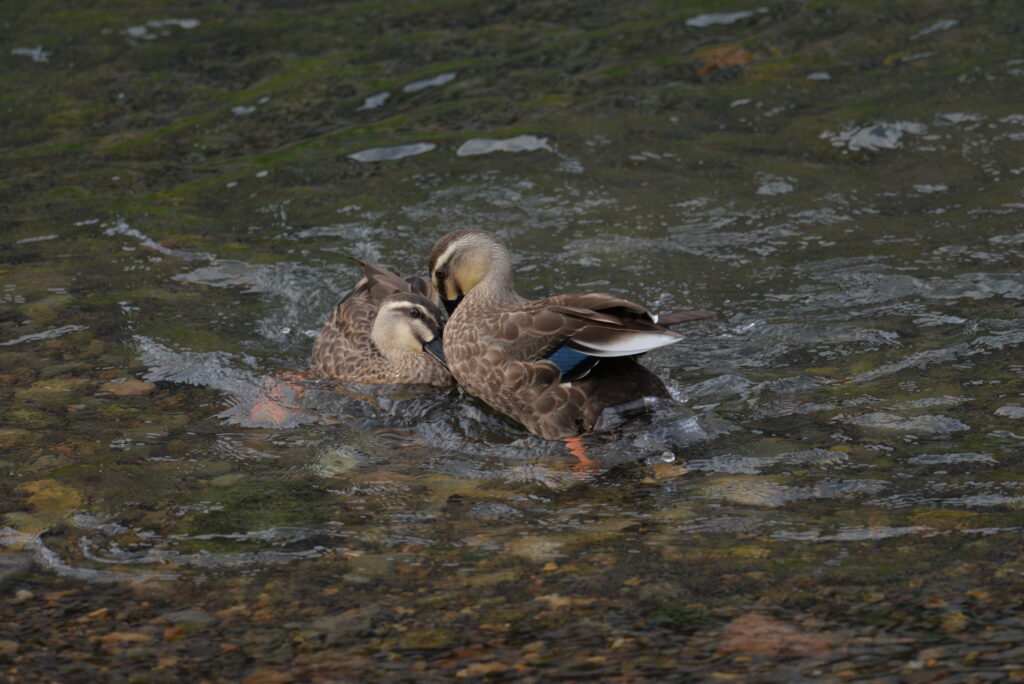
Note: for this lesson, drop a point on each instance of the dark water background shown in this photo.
(842, 182)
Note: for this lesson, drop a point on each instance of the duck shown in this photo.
(387, 330)
(557, 365)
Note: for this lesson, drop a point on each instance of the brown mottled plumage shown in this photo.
(385, 331)
(497, 344)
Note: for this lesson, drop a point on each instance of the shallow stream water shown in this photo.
(841, 182)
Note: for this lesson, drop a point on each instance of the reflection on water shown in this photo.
(857, 397)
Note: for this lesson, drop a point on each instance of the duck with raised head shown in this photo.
(554, 365)
(387, 330)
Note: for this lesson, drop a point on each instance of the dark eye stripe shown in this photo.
(419, 312)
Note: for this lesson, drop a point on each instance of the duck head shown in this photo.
(408, 322)
(464, 259)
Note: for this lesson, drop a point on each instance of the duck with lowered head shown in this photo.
(554, 365)
(385, 331)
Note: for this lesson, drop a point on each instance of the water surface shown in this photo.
(840, 182)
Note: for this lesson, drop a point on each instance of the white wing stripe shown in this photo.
(626, 344)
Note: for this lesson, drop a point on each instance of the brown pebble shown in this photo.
(761, 635)
(128, 388)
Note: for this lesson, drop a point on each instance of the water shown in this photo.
(845, 453)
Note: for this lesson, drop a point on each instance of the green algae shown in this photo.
(257, 506)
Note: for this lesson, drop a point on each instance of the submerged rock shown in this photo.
(13, 564)
(336, 461)
(919, 426)
(52, 393)
(10, 438)
(719, 388)
(427, 639)
(949, 459)
(365, 568)
(755, 634)
(128, 388)
(350, 623)
(535, 548)
(190, 618)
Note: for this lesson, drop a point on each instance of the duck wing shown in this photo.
(356, 311)
(575, 332)
(606, 327)
(378, 282)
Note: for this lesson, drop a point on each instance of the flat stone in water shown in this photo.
(439, 80)
(39, 238)
(940, 25)
(375, 101)
(722, 18)
(357, 580)
(1011, 411)
(776, 187)
(873, 137)
(520, 143)
(36, 54)
(377, 154)
(157, 28)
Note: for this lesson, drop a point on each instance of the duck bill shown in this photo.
(450, 304)
(436, 349)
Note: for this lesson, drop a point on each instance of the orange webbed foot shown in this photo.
(584, 465)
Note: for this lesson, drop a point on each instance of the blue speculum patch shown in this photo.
(567, 359)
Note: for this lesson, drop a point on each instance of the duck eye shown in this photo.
(441, 274)
(415, 313)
